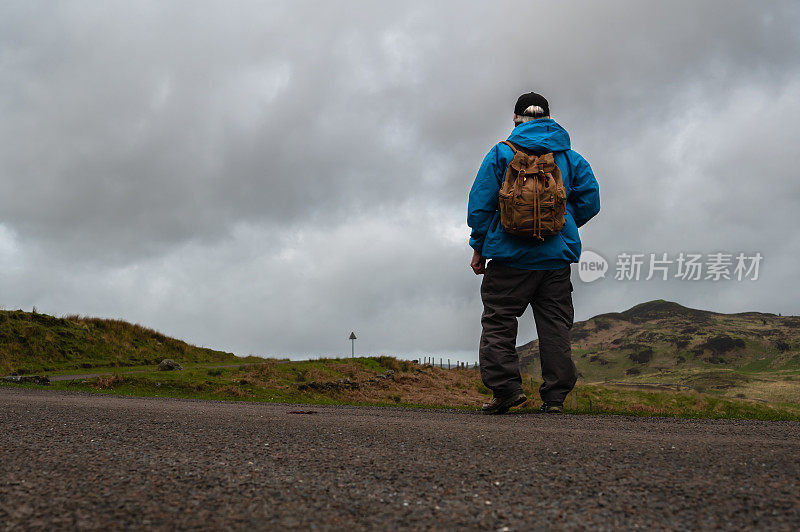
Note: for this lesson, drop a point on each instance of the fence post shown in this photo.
(448, 363)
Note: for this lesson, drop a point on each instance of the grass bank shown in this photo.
(34, 343)
(386, 381)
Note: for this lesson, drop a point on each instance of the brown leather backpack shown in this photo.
(532, 198)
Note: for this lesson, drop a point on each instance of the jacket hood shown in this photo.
(543, 134)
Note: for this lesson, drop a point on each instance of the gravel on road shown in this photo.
(81, 461)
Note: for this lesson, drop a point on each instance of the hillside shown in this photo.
(662, 341)
(32, 342)
(742, 366)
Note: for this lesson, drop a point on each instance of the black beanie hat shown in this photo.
(531, 98)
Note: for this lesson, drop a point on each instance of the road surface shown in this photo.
(72, 460)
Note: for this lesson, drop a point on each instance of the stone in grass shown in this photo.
(35, 379)
(168, 365)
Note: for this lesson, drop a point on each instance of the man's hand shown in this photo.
(478, 263)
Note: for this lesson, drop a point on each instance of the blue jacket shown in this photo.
(583, 201)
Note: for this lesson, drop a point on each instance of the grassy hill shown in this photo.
(658, 358)
(32, 342)
(750, 355)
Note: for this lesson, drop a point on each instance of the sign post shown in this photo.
(352, 344)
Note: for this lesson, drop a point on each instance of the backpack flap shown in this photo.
(532, 198)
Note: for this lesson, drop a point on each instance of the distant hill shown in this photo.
(32, 342)
(662, 337)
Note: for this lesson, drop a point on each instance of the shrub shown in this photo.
(720, 344)
(481, 389)
(109, 381)
(265, 369)
(782, 346)
(642, 357)
(682, 342)
(576, 335)
(392, 363)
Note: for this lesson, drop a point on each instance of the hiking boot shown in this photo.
(552, 408)
(500, 405)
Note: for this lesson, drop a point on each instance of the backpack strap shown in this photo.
(511, 145)
(516, 148)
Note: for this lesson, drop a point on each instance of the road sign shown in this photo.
(352, 344)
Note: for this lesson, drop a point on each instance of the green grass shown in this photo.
(282, 383)
(235, 384)
(36, 343)
(616, 400)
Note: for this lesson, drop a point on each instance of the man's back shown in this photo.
(583, 200)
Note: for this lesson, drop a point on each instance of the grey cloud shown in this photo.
(259, 176)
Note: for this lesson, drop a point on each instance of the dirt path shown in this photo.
(84, 461)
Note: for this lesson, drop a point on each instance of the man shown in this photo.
(524, 270)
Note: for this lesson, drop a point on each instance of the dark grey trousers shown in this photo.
(506, 293)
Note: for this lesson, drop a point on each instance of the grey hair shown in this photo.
(532, 112)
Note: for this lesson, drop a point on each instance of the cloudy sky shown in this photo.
(265, 177)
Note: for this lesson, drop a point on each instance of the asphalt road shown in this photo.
(71, 461)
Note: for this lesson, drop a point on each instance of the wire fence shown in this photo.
(446, 363)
